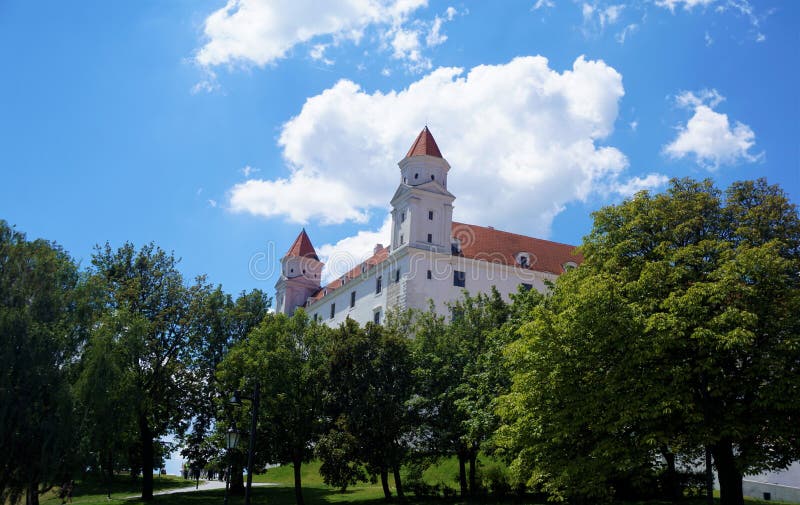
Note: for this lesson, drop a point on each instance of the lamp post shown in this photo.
(231, 441)
(255, 399)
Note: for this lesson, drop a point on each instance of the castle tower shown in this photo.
(422, 208)
(301, 271)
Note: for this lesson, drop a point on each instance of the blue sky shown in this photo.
(219, 129)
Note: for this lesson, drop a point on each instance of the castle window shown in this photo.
(333, 309)
(526, 286)
(405, 180)
(459, 279)
(433, 177)
(291, 270)
(430, 238)
(430, 275)
(363, 267)
(569, 265)
(524, 260)
(403, 217)
(376, 317)
(316, 317)
(402, 240)
(378, 284)
(352, 299)
(416, 176)
(430, 215)
(397, 275)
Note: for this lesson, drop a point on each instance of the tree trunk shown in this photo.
(730, 478)
(670, 480)
(398, 484)
(109, 473)
(298, 485)
(237, 479)
(462, 474)
(473, 490)
(32, 495)
(146, 439)
(387, 493)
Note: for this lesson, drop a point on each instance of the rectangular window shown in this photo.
(397, 275)
(430, 276)
(333, 309)
(376, 318)
(352, 299)
(316, 317)
(459, 279)
(402, 217)
(402, 240)
(430, 238)
(378, 284)
(526, 287)
(430, 215)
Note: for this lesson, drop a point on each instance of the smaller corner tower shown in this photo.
(422, 208)
(301, 272)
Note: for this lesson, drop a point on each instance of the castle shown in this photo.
(430, 257)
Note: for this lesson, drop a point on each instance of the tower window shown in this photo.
(352, 299)
(378, 282)
(397, 275)
(416, 176)
(433, 177)
(333, 309)
(405, 180)
(430, 238)
(376, 318)
(430, 275)
(430, 215)
(459, 279)
(526, 286)
(403, 217)
(402, 240)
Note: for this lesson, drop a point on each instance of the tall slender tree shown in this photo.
(148, 305)
(40, 334)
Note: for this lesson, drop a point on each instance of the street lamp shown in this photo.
(231, 441)
(237, 400)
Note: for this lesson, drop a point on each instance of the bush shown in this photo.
(495, 479)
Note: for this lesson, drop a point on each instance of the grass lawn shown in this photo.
(94, 491)
(315, 491)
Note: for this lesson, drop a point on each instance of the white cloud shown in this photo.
(709, 39)
(622, 35)
(434, 38)
(523, 139)
(259, 32)
(597, 17)
(635, 184)
(248, 170)
(212, 203)
(687, 4)
(708, 136)
(317, 53)
(543, 4)
(634, 124)
(349, 252)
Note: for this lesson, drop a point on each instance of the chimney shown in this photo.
(378, 248)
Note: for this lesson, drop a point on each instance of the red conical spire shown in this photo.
(425, 145)
(302, 247)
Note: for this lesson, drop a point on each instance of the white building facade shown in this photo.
(430, 257)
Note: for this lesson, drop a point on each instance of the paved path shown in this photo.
(205, 485)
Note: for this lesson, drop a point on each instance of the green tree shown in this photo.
(40, 333)
(217, 324)
(369, 384)
(678, 332)
(458, 378)
(286, 355)
(148, 306)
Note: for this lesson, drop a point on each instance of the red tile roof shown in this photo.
(488, 244)
(302, 247)
(377, 258)
(425, 145)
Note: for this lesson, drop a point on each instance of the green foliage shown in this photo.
(679, 331)
(287, 356)
(368, 384)
(145, 308)
(41, 328)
